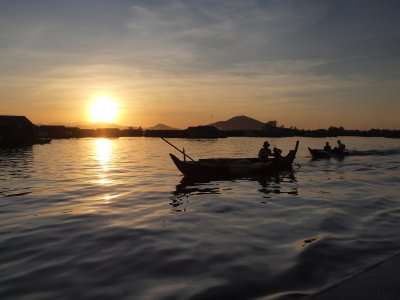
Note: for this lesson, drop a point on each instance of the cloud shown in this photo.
(191, 37)
(216, 35)
(203, 53)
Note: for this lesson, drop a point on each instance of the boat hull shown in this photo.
(234, 167)
(319, 153)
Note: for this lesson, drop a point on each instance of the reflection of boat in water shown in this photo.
(319, 153)
(275, 183)
(214, 167)
(268, 186)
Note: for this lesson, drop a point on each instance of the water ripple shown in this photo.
(114, 219)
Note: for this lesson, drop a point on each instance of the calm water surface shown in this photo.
(114, 219)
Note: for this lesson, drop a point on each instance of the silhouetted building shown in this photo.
(164, 133)
(198, 132)
(16, 131)
(83, 133)
(132, 132)
(73, 132)
(201, 132)
(56, 131)
(108, 132)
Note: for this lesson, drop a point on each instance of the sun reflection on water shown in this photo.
(103, 180)
(104, 156)
(103, 151)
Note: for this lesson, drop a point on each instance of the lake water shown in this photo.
(114, 219)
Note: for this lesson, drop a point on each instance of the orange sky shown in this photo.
(310, 65)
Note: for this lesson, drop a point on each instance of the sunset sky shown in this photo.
(310, 64)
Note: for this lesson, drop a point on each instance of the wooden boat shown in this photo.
(24, 143)
(319, 153)
(235, 166)
(41, 141)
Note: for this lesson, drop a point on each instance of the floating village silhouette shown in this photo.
(20, 131)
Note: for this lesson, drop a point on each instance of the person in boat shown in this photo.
(264, 152)
(276, 152)
(341, 146)
(327, 147)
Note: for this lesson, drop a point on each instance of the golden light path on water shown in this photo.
(103, 156)
(106, 187)
(103, 151)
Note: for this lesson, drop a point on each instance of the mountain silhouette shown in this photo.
(161, 127)
(239, 123)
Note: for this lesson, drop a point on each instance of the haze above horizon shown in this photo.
(310, 64)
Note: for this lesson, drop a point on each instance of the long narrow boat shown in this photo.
(235, 166)
(319, 153)
(41, 141)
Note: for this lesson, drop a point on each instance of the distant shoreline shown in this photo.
(64, 132)
(19, 131)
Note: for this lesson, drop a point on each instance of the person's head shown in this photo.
(338, 141)
(266, 144)
(327, 143)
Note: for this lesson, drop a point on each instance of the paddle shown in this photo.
(183, 152)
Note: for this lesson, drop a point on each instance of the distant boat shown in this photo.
(41, 141)
(336, 153)
(234, 166)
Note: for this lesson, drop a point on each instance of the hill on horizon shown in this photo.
(239, 123)
(162, 127)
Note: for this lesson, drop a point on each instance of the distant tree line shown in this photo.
(271, 129)
(64, 132)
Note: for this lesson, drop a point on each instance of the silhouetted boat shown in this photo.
(319, 153)
(41, 141)
(235, 166)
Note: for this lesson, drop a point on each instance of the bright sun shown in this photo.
(103, 109)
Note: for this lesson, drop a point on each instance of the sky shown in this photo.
(305, 63)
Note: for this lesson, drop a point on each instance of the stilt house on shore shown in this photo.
(16, 131)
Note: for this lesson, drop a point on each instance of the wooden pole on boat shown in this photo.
(295, 149)
(183, 152)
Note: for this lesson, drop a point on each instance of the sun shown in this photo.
(103, 109)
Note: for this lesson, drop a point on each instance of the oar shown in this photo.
(177, 149)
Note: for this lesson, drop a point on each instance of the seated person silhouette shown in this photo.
(327, 147)
(264, 152)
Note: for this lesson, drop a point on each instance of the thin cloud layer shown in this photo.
(297, 58)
